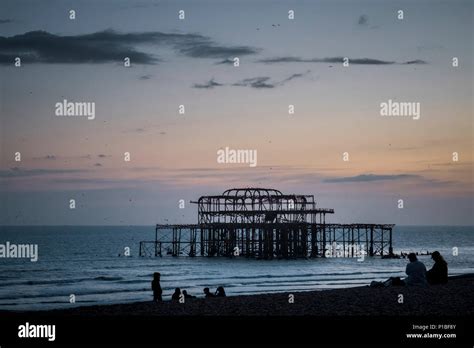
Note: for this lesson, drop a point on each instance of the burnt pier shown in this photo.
(266, 224)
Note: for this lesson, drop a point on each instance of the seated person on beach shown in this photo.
(416, 272)
(176, 295)
(220, 292)
(186, 295)
(207, 293)
(156, 287)
(438, 274)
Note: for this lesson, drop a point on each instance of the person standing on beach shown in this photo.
(156, 287)
(416, 272)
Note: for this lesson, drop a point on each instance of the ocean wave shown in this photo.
(291, 277)
(108, 278)
(60, 281)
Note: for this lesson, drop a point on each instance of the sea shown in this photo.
(80, 265)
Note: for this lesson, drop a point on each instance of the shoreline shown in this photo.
(452, 299)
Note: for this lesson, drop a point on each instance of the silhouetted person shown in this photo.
(438, 274)
(176, 295)
(207, 293)
(220, 292)
(416, 272)
(186, 295)
(156, 287)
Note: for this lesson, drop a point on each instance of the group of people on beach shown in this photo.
(417, 275)
(178, 294)
(220, 292)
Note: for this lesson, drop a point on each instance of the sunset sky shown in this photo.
(282, 62)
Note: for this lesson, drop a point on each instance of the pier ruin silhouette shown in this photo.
(265, 224)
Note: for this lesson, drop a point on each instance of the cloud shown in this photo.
(288, 59)
(99, 47)
(204, 49)
(110, 46)
(285, 60)
(264, 82)
(358, 61)
(256, 82)
(6, 21)
(208, 85)
(253, 82)
(47, 157)
(295, 76)
(451, 163)
(19, 172)
(225, 61)
(363, 20)
(416, 61)
(371, 177)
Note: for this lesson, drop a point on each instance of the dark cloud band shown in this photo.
(371, 177)
(109, 46)
(335, 60)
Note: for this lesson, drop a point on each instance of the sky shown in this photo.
(190, 62)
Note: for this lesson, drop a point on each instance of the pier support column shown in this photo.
(371, 248)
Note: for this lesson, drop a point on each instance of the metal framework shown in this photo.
(266, 224)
